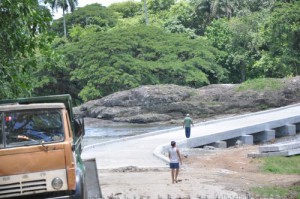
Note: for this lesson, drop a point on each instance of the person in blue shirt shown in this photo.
(187, 122)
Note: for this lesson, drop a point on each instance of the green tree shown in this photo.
(205, 11)
(240, 38)
(281, 46)
(178, 19)
(259, 44)
(121, 59)
(126, 9)
(51, 76)
(22, 25)
(65, 5)
(94, 16)
(243, 49)
(182, 12)
(158, 5)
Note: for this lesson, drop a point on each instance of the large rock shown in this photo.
(160, 103)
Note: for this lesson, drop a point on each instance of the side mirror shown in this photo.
(79, 127)
(73, 147)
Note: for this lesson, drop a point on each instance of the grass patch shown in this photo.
(261, 84)
(277, 192)
(213, 103)
(263, 107)
(279, 165)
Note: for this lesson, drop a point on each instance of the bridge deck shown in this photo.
(147, 150)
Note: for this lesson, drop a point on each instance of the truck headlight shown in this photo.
(57, 183)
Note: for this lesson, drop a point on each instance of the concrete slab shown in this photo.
(294, 152)
(270, 154)
(279, 147)
(276, 153)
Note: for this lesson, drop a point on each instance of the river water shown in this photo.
(101, 133)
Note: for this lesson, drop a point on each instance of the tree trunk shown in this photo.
(243, 73)
(65, 28)
(146, 13)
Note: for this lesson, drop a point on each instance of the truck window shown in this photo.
(33, 127)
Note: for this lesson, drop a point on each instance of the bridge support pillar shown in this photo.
(220, 144)
(246, 139)
(289, 129)
(298, 127)
(264, 136)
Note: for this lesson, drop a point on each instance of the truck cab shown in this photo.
(40, 148)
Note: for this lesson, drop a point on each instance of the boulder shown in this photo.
(161, 103)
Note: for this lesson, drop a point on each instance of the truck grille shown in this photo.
(23, 188)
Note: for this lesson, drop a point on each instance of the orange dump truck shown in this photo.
(40, 148)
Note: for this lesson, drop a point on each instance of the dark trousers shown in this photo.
(187, 132)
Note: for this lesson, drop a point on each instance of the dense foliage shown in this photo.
(108, 49)
(122, 59)
(22, 25)
(92, 16)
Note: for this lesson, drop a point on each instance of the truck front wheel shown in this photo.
(81, 191)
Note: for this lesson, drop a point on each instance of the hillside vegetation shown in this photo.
(103, 50)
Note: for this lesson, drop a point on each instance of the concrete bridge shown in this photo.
(149, 150)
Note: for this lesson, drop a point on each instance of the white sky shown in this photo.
(82, 3)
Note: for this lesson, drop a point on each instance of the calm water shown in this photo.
(95, 135)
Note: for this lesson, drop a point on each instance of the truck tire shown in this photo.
(80, 192)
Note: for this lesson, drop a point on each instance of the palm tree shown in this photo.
(65, 5)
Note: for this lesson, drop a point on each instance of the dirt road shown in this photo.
(226, 173)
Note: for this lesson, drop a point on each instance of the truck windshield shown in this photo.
(20, 128)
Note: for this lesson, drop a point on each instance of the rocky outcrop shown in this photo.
(161, 103)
